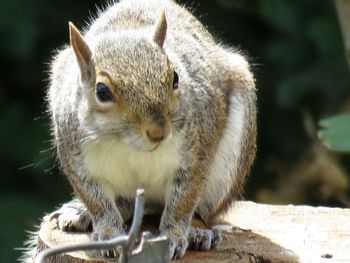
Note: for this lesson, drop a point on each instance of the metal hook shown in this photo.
(126, 242)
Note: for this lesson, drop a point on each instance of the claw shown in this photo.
(204, 239)
(216, 238)
(178, 246)
(113, 253)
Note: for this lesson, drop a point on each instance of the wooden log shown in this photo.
(256, 233)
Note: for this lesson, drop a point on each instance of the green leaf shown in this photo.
(335, 132)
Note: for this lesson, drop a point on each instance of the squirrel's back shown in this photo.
(140, 14)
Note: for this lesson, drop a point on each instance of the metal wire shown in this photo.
(126, 242)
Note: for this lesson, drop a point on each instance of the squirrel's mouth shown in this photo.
(154, 148)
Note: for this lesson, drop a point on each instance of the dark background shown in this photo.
(297, 54)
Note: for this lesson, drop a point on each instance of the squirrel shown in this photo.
(147, 98)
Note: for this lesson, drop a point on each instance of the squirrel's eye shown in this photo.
(175, 81)
(103, 93)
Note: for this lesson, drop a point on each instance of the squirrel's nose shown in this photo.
(157, 128)
(156, 135)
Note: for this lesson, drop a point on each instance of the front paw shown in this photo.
(73, 217)
(178, 244)
(197, 239)
(203, 239)
(103, 234)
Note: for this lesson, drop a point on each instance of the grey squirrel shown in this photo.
(146, 98)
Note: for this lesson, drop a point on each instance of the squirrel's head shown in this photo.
(129, 87)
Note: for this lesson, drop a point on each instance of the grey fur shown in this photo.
(217, 98)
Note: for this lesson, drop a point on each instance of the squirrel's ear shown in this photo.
(160, 33)
(82, 52)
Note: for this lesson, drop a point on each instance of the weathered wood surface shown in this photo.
(260, 233)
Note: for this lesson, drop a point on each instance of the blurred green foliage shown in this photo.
(335, 132)
(295, 47)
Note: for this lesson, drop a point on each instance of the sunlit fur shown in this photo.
(122, 169)
(209, 124)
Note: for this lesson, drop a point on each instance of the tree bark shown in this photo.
(252, 233)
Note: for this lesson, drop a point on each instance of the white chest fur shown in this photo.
(121, 170)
